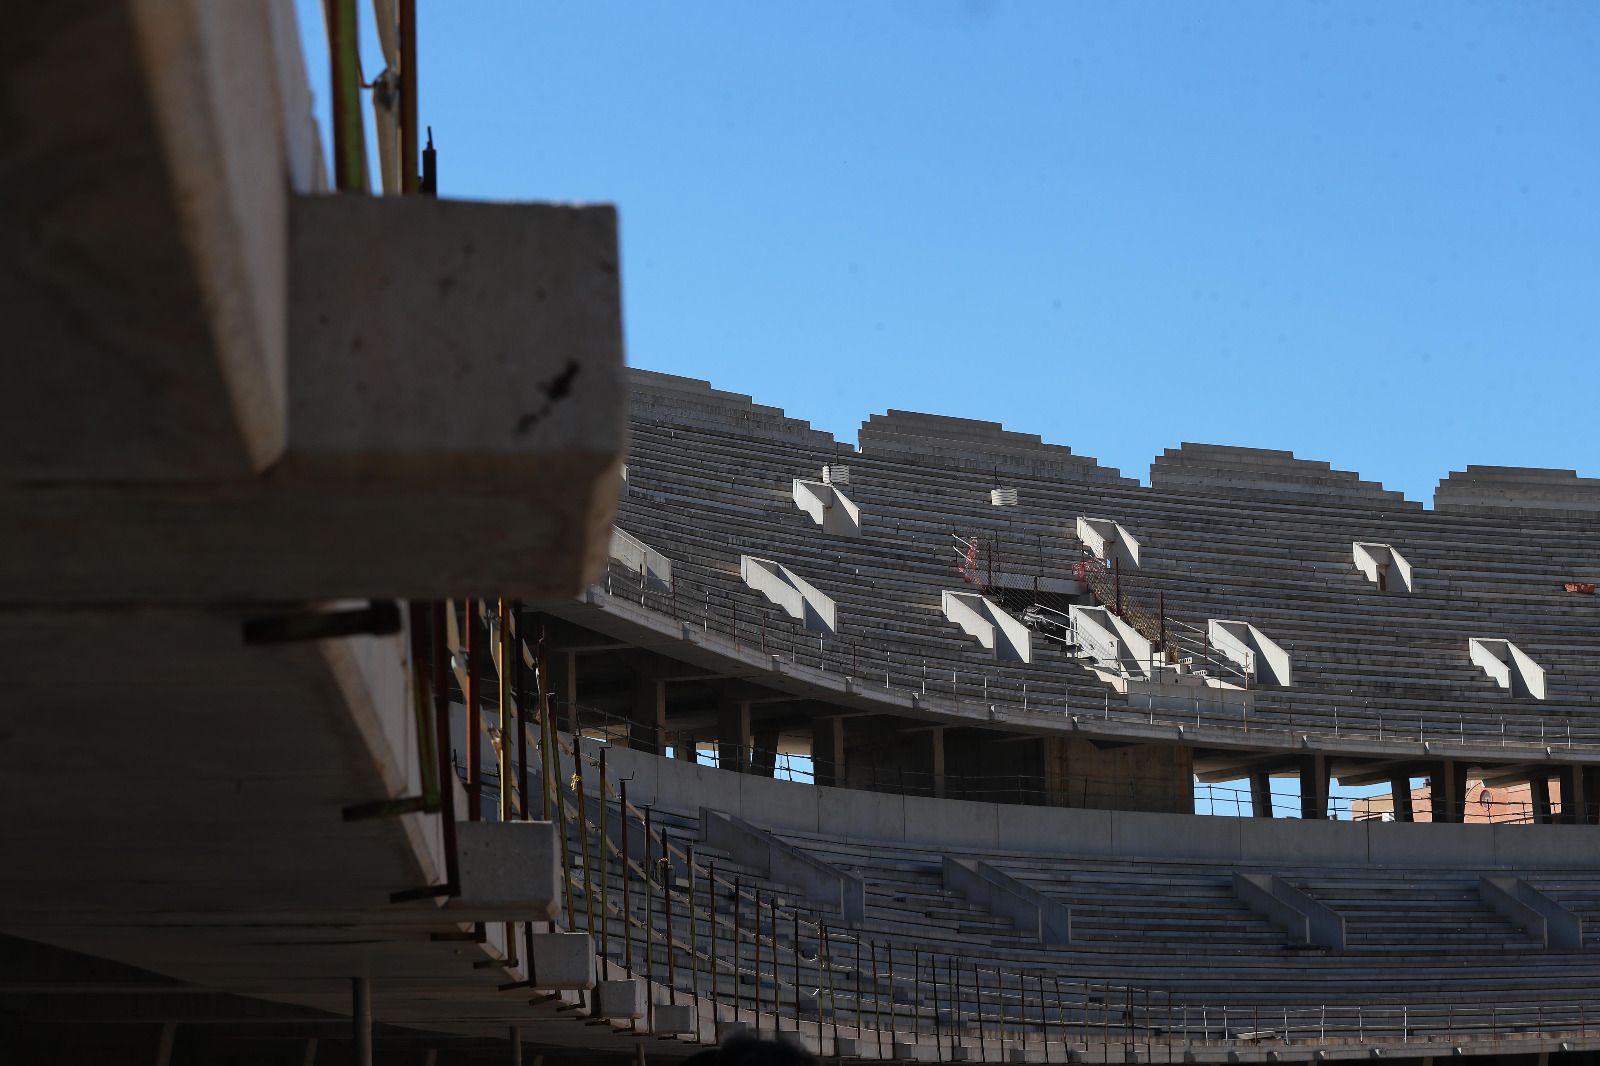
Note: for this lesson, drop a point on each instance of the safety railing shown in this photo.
(706, 930)
(718, 612)
(1209, 798)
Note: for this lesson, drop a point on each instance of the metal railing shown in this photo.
(719, 615)
(746, 949)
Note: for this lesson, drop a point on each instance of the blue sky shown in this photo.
(1365, 232)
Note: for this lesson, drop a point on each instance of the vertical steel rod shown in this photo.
(441, 726)
(474, 723)
(361, 1019)
(627, 882)
(409, 175)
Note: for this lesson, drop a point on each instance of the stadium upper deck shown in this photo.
(1472, 653)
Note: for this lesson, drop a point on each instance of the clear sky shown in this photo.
(1366, 232)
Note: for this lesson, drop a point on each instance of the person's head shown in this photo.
(745, 1050)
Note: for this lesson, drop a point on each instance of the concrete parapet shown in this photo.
(1261, 657)
(828, 507)
(856, 815)
(1034, 913)
(1383, 564)
(784, 863)
(653, 567)
(1306, 920)
(992, 626)
(1111, 643)
(799, 598)
(1508, 666)
(1108, 540)
(1547, 921)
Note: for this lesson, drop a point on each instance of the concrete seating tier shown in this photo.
(1421, 941)
(706, 487)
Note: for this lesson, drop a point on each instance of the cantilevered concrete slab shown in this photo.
(217, 365)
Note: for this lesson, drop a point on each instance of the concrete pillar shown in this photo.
(1260, 794)
(1313, 786)
(936, 758)
(683, 747)
(1447, 792)
(827, 750)
(764, 750)
(309, 1057)
(649, 717)
(733, 735)
(1591, 793)
(1400, 790)
(563, 687)
(1539, 789)
(361, 1019)
(1574, 798)
(515, 1037)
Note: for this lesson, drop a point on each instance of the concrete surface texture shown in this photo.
(240, 409)
(270, 777)
(1270, 548)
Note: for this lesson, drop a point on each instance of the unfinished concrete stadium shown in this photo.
(404, 680)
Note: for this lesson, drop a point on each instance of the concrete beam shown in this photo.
(403, 409)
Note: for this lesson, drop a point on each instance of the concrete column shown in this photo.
(169, 1033)
(1400, 790)
(1260, 794)
(1574, 798)
(1591, 793)
(827, 750)
(563, 687)
(1313, 786)
(683, 747)
(649, 716)
(733, 735)
(1448, 791)
(936, 753)
(309, 1057)
(1539, 789)
(764, 751)
(361, 1019)
(515, 1037)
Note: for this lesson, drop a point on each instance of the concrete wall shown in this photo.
(845, 814)
(1148, 777)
